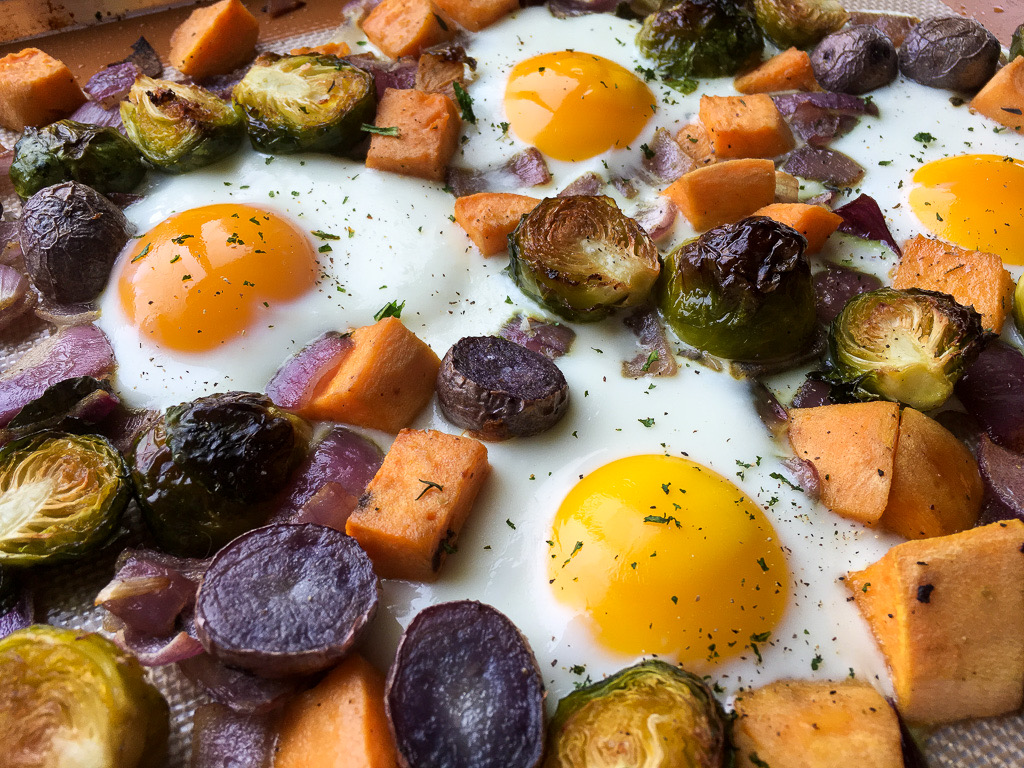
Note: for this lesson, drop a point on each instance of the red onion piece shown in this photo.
(657, 219)
(1002, 472)
(563, 9)
(354, 11)
(6, 159)
(400, 74)
(549, 339)
(295, 382)
(587, 184)
(992, 390)
(825, 198)
(863, 218)
(110, 85)
(772, 413)
(238, 690)
(123, 425)
(825, 165)
(664, 160)
(625, 187)
(524, 169)
(812, 393)
(655, 357)
(819, 126)
(66, 315)
(82, 350)
(223, 85)
(343, 457)
(844, 103)
(16, 295)
(158, 651)
(835, 285)
(145, 58)
(222, 738)
(805, 475)
(93, 113)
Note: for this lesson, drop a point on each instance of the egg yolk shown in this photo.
(974, 201)
(572, 105)
(664, 556)
(204, 276)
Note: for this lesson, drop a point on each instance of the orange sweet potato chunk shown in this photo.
(341, 723)
(696, 143)
(852, 446)
(405, 27)
(936, 486)
(35, 89)
(386, 379)
(329, 49)
(724, 192)
(745, 126)
(948, 613)
(790, 70)
(1002, 98)
(214, 40)
(490, 217)
(815, 222)
(428, 133)
(411, 513)
(474, 15)
(974, 278)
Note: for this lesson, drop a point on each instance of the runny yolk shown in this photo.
(662, 555)
(974, 201)
(205, 276)
(573, 105)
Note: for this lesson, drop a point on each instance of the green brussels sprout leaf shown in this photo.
(799, 23)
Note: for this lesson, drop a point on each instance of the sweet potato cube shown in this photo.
(412, 511)
(428, 126)
(815, 222)
(816, 724)
(696, 143)
(214, 40)
(974, 278)
(340, 723)
(790, 70)
(936, 486)
(384, 381)
(852, 448)
(948, 613)
(490, 217)
(474, 15)
(1002, 97)
(35, 89)
(405, 27)
(724, 192)
(745, 126)
(327, 49)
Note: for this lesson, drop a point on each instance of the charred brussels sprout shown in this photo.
(180, 127)
(701, 38)
(305, 103)
(74, 699)
(69, 151)
(1017, 43)
(909, 345)
(581, 257)
(741, 291)
(659, 715)
(800, 23)
(61, 496)
(204, 472)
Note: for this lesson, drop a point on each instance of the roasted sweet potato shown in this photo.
(405, 27)
(474, 15)
(790, 70)
(723, 193)
(490, 217)
(214, 40)
(815, 222)
(35, 89)
(745, 126)
(1002, 98)
(330, 49)
(427, 133)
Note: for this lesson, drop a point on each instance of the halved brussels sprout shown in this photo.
(96, 156)
(800, 23)
(205, 471)
(908, 345)
(581, 257)
(741, 291)
(1017, 43)
(312, 103)
(701, 38)
(180, 127)
(652, 715)
(61, 496)
(73, 699)
(1018, 305)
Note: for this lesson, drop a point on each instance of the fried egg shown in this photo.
(656, 518)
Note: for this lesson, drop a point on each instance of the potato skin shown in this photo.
(855, 60)
(950, 52)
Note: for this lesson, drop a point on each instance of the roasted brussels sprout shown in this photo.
(659, 715)
(701, 38)
(855, 60)
(72, 698)
(741, 291)
(204, 471)
(950, 52)
(581, 257)
(63, 496)
(800, 23)
(1017, 43)
(179, 127)
(908, 345)
(69, 151)
(1018, 305)
(310, 103)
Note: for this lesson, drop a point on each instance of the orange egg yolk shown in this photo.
(662, 555)
(974, 201)
(572, 105)
(203, 277)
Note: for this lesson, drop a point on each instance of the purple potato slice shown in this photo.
(500, 389)
(465, 691)
(286, 600)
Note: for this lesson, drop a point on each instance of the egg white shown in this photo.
(398, 243)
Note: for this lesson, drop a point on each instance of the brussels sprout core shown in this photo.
(909, 345)
(652, 715)
(799, 23)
